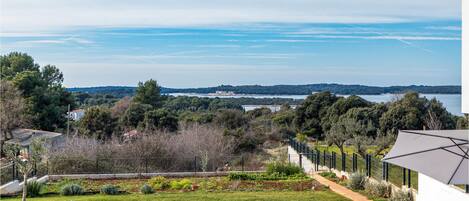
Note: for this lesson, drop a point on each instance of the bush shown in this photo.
(109, 189)
(301, 137)
(183, 184)
(210, 184)
(329, 175)
(357, 181)
(378, 189)
(402, 195)
(159, 183)
(285, 169)
(34, 188)
(264, 176)
(71, 189)
(146, 189)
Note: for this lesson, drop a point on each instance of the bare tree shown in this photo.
(432, 121)
(120, 107)
(25, 160)
(12, 111)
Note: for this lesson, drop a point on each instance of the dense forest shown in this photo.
(121, 91)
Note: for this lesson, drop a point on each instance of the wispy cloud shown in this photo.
(384, 37)
(296, 41)
(59, 41)
(446, 28)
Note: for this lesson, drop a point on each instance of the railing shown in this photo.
(370, 165)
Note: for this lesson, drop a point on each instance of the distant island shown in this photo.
(120, 91)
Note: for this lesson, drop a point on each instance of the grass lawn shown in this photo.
(325, 195)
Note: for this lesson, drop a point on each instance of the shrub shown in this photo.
(71, 189)
(378, 189)
(357, 181)
(159, 183)
(146, 189)
(402, 195)
(285, 169)
(301, 137)
(265, 176)
(109, 189)
(241, 176)
(183, 184)
(210, 184)
(329, 175)
(34, 188)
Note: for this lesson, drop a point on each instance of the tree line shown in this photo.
(284, 89)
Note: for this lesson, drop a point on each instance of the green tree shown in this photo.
(231, 119)
(98, 123)
(148, 93)
(16, 62)
(160, 119)
(339, 108)
(309, 113)
(47, 101)
(406, 113)
(134, 115)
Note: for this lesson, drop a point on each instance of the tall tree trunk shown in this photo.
(25, 184)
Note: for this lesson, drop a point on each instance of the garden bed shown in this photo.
(204, 184)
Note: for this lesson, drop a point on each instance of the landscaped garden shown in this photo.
(281, 181)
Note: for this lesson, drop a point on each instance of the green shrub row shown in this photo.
(265, 176)
(282, 168)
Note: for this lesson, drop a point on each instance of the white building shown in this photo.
(76, 115)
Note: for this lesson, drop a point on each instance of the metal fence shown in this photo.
(370, 165)
(112, 165)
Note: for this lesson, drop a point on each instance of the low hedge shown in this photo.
(265, 176)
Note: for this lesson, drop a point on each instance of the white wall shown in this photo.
(465, 56)
(433, 190)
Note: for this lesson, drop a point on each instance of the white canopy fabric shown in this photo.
(440, 154)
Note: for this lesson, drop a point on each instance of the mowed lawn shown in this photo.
(324, 195)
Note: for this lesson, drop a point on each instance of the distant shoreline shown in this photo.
(282, 89)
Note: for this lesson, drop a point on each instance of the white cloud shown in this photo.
(387, 37)
(51, 15)
(447, 28)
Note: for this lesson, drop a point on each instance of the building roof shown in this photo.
(24, 137)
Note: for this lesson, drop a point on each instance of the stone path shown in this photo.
(339, 189)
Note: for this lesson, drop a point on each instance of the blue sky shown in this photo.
(208, 43)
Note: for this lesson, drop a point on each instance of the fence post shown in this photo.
(318, 158)
(97, 165)
(333, 160)
(384, 171)
(146, 165)
(408, 178)
(367, 165)
(13, 170)
(467, 188)
(324, 156)
(354, 162)
(301, 160)
(344, 160)
(403, 177)
(242, 162)
(195, 164)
